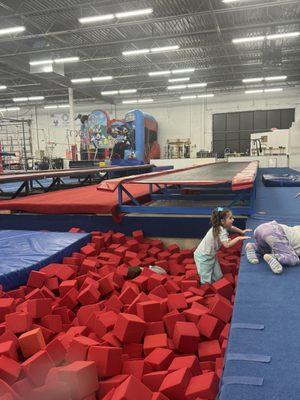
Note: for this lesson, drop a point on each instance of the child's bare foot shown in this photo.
(275, 265)
(251, 254)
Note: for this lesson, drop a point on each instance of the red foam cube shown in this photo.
(129, 294)
(170, 320)
(193, 314)
(176, 301)
(9, 349)
(153, 341)
(206, 386)
(52, 322)
(154, 328)
(18, 322)
(108, 360)
(190, 362)
(38, 308)
(37, 367)
(36, 279)
(153, 380)
(56, 351)
(132, 389)
(104, 322)
(129, 328)
(210, 326)
(105, 386)
(9, 370)
(136, 367)
(134, 350)
(221, 308)
(67, 285)
(89, 295)
(138, 235)
(159, 396)
(149, 311)
(31, 342)
(224, 288)
(160, 359)
(88, 250)
(186, 337)
(209, 350)
(79, 348)
(175, 384)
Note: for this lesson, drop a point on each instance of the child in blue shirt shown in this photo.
(206, 253)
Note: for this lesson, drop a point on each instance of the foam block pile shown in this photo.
(79, 330)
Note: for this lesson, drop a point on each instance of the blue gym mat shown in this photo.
(23, 251)
(14, 186)
(272, 301)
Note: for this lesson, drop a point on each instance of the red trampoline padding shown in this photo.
(85, 200)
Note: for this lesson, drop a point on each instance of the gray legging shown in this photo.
(271, 239)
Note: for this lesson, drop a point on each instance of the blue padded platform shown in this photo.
(272, 301)
(23, 251)
(282, 180)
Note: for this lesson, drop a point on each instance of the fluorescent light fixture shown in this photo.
(230, 1)
(129, 101)
(50, 107)
(254, 91)
(250, 80)
(124, 91)
(41, 62)
(248, 39)
(64, 106)
(176, 87)
(10, 109)
(3, 87)
(283, 35)
(81, 80)
(196, 85)
(109, 92)
(19, 99)
(135, 52)
(276, 78)
(102, 78)
(166, 48)
(15, 29)
(273, 90)
(159, 73)
(183, 71)
(205, 95)
(48, 68)
(96, 18)
(135, 13)
(188, 97)
(145, 101)
(179, 80)
(66, 60)
(36, 98)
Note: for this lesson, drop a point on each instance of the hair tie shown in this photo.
(220, 209)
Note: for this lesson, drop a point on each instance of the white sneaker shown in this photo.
(274, 264)
(251, 254)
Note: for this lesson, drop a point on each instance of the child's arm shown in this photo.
(234, 229)
(234, 241)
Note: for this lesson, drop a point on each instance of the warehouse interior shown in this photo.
(149, 199)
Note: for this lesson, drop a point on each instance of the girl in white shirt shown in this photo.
(206, 253)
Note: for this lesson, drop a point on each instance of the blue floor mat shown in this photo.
(271, 300)
(14, 186)
(23, 251)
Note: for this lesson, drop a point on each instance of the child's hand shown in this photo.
(244, 237)
(247, 230)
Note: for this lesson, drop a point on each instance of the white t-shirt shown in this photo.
(293, 235)
(209, 245)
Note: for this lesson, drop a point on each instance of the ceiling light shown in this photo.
(3, 87)
(50, 107)
(276, 78)
(195, 85)
(48, 68)
(109, 92)
(205, 95)
(40, 62)
(18, 99)
(179, 80)
(129, 101)
(36, 98)
(64, 106)
(135, 52)
(283, 35)
(166, 48)
(124, 91)
(128, 14)
(249, 39)
(158, 73)
(273, 90)
(81, 80)
(183, 71)
(188, 97)
(230, 1)
(10, 109)
(66, 60)
(102, 78)
(176, 87)
(254, 91)
(250, 80)
(96, 18)
(145, 101)
(16, 29)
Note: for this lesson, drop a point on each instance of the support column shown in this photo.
(71, 110)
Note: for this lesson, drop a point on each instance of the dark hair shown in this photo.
(216, 217)
(133, 272)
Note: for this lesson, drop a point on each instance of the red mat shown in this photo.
(85, 200)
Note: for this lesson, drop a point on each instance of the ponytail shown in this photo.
(217, 215)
